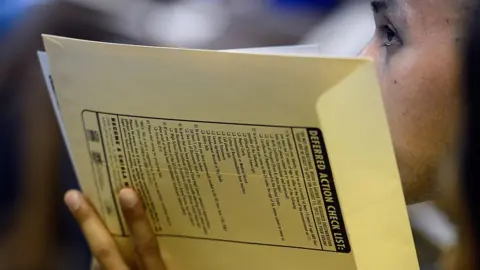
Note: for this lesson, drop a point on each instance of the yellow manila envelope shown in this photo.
(244, 161)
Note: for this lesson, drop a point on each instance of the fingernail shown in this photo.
(128, 198)
(73, 199)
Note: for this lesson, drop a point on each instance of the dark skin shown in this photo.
(416, 51)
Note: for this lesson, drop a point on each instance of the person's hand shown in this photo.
(104, 249)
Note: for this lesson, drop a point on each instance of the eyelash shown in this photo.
(389, 36)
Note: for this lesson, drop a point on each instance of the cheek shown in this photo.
(420, 90)
(420, 95)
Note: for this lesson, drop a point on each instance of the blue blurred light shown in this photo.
(307, 4)
(10, 11)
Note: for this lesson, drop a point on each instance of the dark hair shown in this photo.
(470, 162)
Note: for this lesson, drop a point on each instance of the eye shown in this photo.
(389, 36)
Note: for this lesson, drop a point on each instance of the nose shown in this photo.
(370, 50)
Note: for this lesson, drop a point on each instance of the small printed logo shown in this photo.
(97, 157)
(93, 135)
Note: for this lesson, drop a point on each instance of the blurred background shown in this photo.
(37, 231)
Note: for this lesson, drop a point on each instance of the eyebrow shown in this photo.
(394, 10)
(381, 5)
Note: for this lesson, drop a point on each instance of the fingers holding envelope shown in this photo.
(102, 244)
(143, 237)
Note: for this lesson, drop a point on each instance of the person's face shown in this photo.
(417, 53)
(415, 50)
